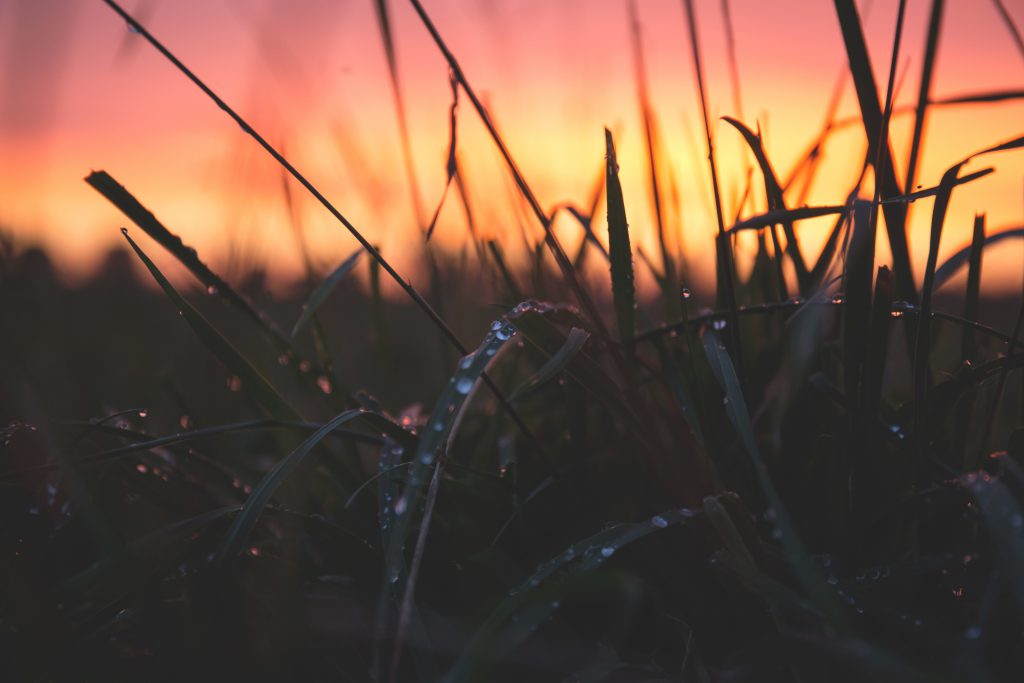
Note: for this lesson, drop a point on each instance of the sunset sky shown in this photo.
(79, 92)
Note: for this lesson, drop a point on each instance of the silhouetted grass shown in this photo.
(637, 509)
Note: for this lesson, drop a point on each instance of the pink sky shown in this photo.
(79, 92)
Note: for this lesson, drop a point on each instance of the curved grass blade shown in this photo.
(492, 642)
(621, 255)
(246, 520)
(1005, 520)
(554, 365)
(736, 409)
(972, 295)
(951, 265)
(440, 430)
(324, 289)
(252, 381)
(776, 202)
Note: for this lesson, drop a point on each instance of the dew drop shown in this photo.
(718, 324)
(211, 290)
(143, 413)
(234, 383)
(464, 385)
(141, 469)
(324, 383)
(607, 551)
(659, 521)
(685, 293)
(400, 506)
(305, 366)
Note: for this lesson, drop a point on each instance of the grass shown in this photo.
(826, 486)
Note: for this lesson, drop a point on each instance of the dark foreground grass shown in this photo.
(826, 486)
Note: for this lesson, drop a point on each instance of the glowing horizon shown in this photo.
(312, 77)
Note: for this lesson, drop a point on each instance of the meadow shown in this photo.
(529, 465)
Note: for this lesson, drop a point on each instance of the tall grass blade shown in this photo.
(668, 281)
(126, 202)
(324, 289)
(776, 201)
(252, 381)
(723, 249)
(736, 410)
(776, 216)
(621, 255)
(872, 117)
(924, 90)
(972, 295)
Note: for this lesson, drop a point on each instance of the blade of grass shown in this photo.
(387, 37)
(554, 365)
(872, 117)
(775, 199)
(723, 251)
(972, 295)
(669, 279)
(126, 202)
(621, 255)
(252, 381)
(736, 409)
(324, 289)
(924, 90)
(777, 215)
(950, 266)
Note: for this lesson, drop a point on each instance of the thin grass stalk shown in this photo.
(668, 263)
(550, 240)
(872, 118)
(924, 90)
(730, 46)
(387, 37)
(723, 252)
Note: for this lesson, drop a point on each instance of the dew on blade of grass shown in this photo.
(685, 293)
(464, 385)
(718, 324)
(234, 383)
(211, 290)
(305, 366)
(324, 384)
(400, 506)
(607, 551)
(659, 521)
(143, 413)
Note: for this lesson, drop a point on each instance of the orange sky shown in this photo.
(79, 92)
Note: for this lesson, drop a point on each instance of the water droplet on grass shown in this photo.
(607, 551)
(324, 383)
(234, 383)
(464, 385)
(659, 521)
